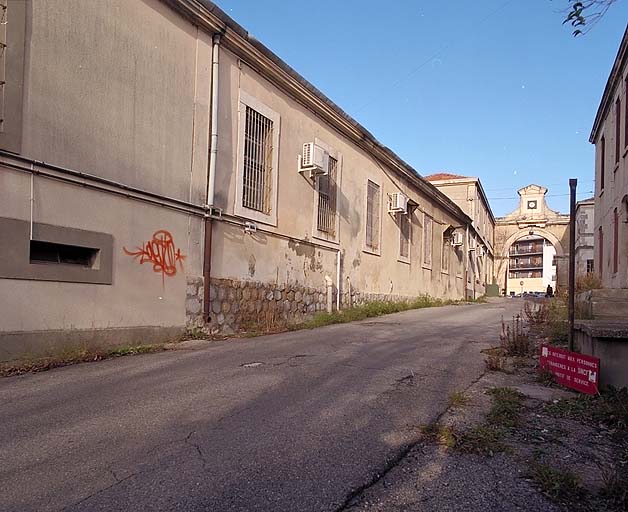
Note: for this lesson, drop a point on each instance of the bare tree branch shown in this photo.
(582, 15)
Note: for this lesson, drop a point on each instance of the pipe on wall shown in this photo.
(338, 261)
(211, 179)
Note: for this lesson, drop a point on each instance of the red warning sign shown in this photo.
(571, 369)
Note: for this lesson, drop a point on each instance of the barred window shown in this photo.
(428, 228)
(590, 267)
(373, 206)
(405, 233)
(445, 253)
(258, 161)
(326, 215)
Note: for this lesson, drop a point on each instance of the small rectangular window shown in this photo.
(428, 228)
(590, 266)
(50, 252)
(326, 215)
(373, 206)
(405, 227)
(258, 161)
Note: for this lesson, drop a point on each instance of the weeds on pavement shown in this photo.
(513, 339)
(72, 356)
(370, 310)
(559, 485)
(458, 399)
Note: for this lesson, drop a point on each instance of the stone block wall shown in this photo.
(194, 303)
(240, 305)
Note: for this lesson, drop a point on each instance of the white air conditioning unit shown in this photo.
(456, 239)
(315, 159)
(397, 202)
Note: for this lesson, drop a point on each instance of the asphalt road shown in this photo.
(291, 422)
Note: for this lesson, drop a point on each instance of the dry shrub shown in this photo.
(513, 340)
(495, 362)
(535, 313)
(589, 281)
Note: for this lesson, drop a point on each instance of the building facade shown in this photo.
(610, 137)
(531, 265)
(468, 194)
(156, 175)
(532, 245)
(585, 237)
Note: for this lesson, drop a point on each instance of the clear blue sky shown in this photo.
(494, 88)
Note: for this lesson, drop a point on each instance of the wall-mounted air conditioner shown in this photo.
(457, 239)
(397, 203)
(314, 159)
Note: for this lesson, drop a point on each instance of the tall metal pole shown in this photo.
(573, 183)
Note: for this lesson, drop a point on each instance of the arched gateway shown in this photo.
(531, 245)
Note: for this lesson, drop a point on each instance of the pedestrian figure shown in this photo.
(549, 292)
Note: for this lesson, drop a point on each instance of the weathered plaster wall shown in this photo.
(267, 257)
(613, 196)
(119, 90)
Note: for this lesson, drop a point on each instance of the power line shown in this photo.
(439, 52)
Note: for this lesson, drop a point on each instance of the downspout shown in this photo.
(211, 179)
(466, 262)
(338, 258)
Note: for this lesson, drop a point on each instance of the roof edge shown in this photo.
(208, 16)
(613, 78)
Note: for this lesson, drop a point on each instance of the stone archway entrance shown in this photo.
(533, 219)
(531, 258)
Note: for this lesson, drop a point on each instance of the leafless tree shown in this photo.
(582, 15)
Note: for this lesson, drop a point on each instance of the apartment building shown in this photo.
(610, 137)
(605, 335)
(468, 194)
(160, 169)
(531, 265)
(585, 236)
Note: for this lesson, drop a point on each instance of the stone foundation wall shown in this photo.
(238, 306)
(194, 303)
(250, 305)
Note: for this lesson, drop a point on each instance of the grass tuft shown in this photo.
(507, 404)
(370, 310)
(561, 486)
(458, 399)
(441, 435)
(70, 356)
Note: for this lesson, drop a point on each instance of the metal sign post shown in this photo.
(573, 183)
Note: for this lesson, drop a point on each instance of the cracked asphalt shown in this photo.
(322, 417)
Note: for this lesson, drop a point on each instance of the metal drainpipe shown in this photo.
(211, 179)
(466, 262)
(338, 259)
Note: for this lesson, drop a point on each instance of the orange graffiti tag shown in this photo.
(161, 252)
